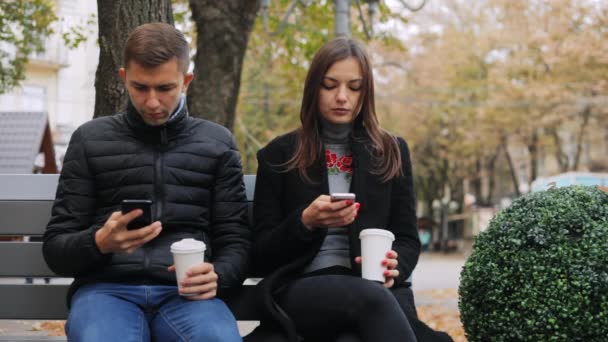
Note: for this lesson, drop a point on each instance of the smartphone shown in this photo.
(140, 221)
(339, 196)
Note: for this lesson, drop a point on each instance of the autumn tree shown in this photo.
(552, 73)
(24, 26)
(509, 84)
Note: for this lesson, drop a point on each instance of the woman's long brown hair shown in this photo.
(385, 150)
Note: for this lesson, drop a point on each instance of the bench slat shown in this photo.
(20, 301)
(43, 187)
(21, 259)
(32, 338)
(24, 217)
(28, 187)
(28, 213)
(40, 301)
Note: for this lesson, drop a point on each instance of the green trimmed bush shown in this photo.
(540, 270)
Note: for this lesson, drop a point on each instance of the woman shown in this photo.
(308, 246)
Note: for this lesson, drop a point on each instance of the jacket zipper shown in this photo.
(159, 186)
(159, 193)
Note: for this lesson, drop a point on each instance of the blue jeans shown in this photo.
(119, 312)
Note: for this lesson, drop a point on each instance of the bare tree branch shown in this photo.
(368, 31)
(413, 8)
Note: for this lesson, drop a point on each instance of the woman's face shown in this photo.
(340, 91)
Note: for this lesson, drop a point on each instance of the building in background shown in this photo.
(61, 81)
(23, 137)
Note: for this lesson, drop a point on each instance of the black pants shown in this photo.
(343, 308)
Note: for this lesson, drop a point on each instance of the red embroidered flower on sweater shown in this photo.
(346, 164)
(330, 159)
(337, 165)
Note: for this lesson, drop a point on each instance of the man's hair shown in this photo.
(153, 44)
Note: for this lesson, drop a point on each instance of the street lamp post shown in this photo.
(342, 18)
(341, 14)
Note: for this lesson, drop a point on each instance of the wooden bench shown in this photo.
(25, 209)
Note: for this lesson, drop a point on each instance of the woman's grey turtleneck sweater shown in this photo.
(336, 139)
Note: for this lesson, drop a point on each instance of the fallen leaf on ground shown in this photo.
(442, 319)
(54, 328)
(441, 315)
(438, 293)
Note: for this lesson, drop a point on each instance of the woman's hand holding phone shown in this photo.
(114, 237)
(325, 213)
(342, 196)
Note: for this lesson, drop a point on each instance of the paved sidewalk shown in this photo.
(437, 271)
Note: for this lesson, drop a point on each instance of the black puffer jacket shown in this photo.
(189, 168)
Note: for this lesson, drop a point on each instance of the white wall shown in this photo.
(76, 90)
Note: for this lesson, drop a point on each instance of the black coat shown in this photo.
(190, 168)
(283, 246)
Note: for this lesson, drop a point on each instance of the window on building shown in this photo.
(34, 98)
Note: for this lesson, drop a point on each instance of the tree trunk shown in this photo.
(491, 179)
(533, 150)
(512, 170)
(476, 182)
(581, 135)
(561, 157)
(116, 20)
(223, 29)
(489, 163)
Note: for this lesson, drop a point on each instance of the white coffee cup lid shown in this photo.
(188, 246)
(375, 231)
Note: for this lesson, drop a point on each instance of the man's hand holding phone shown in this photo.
(115, 237)
(336, 210)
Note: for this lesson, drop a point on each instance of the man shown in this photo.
(124, 287)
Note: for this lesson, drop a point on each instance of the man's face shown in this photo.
(155, 92)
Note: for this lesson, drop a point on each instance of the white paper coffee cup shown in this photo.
(186, 254)
(374, 245)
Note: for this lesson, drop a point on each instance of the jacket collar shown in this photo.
(175, 123)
